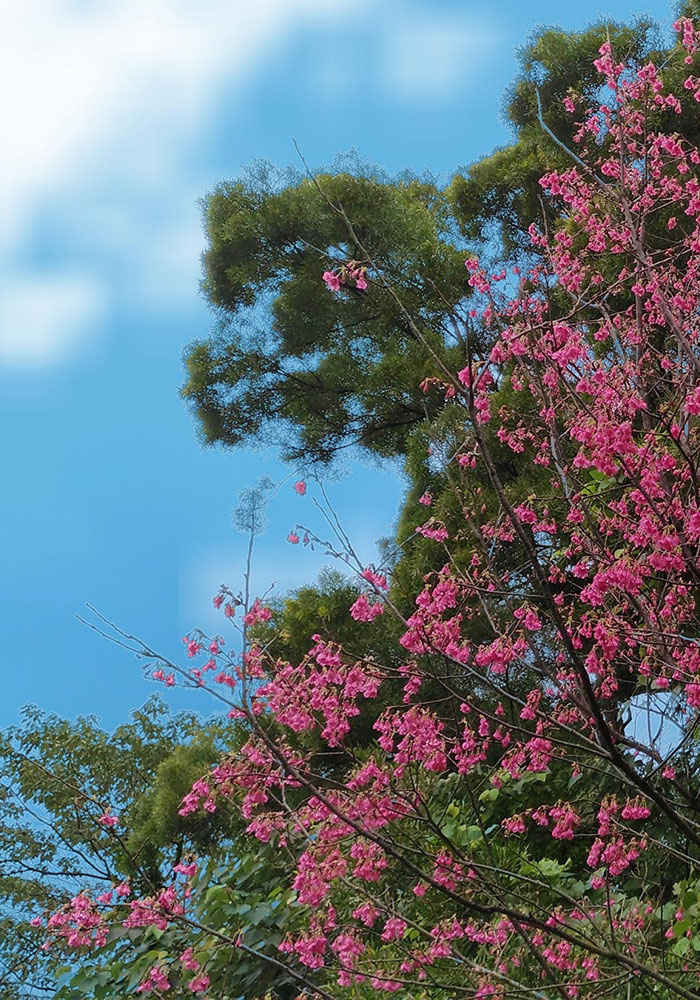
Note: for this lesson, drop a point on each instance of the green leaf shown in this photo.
(681, 927)
(489, 795)
(217, 894)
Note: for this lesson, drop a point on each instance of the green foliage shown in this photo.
(326, 604)
(499, 195)
(154, 821)
(314, 371)
(58, 777)
(241, 899)
(318, 372)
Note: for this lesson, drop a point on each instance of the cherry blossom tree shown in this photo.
(526, 819)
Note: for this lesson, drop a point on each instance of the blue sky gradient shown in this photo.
(121, 115)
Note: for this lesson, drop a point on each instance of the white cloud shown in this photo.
(46, 318)
(76, 78)
(102, 104)
(113, 89)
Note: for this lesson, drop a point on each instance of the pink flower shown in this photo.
(188, 870)
(692, 401)
(367, 913)
(529, 618)
(193, 647)
(258, 613)
(565, 819)
(107, 820)
(199, 984)
(363, 611)
(188, 960)
(156, 980)
(394, 929)
(514, 825)
(635, 809)
(300, 487)
(377, 579)
(332, 280)
(293, 538)
(435, 530)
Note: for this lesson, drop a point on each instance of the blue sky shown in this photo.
(117, 116)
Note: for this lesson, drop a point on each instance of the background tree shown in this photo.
(289, 362)
(58, 778)
(319, 374)
(327, 376)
